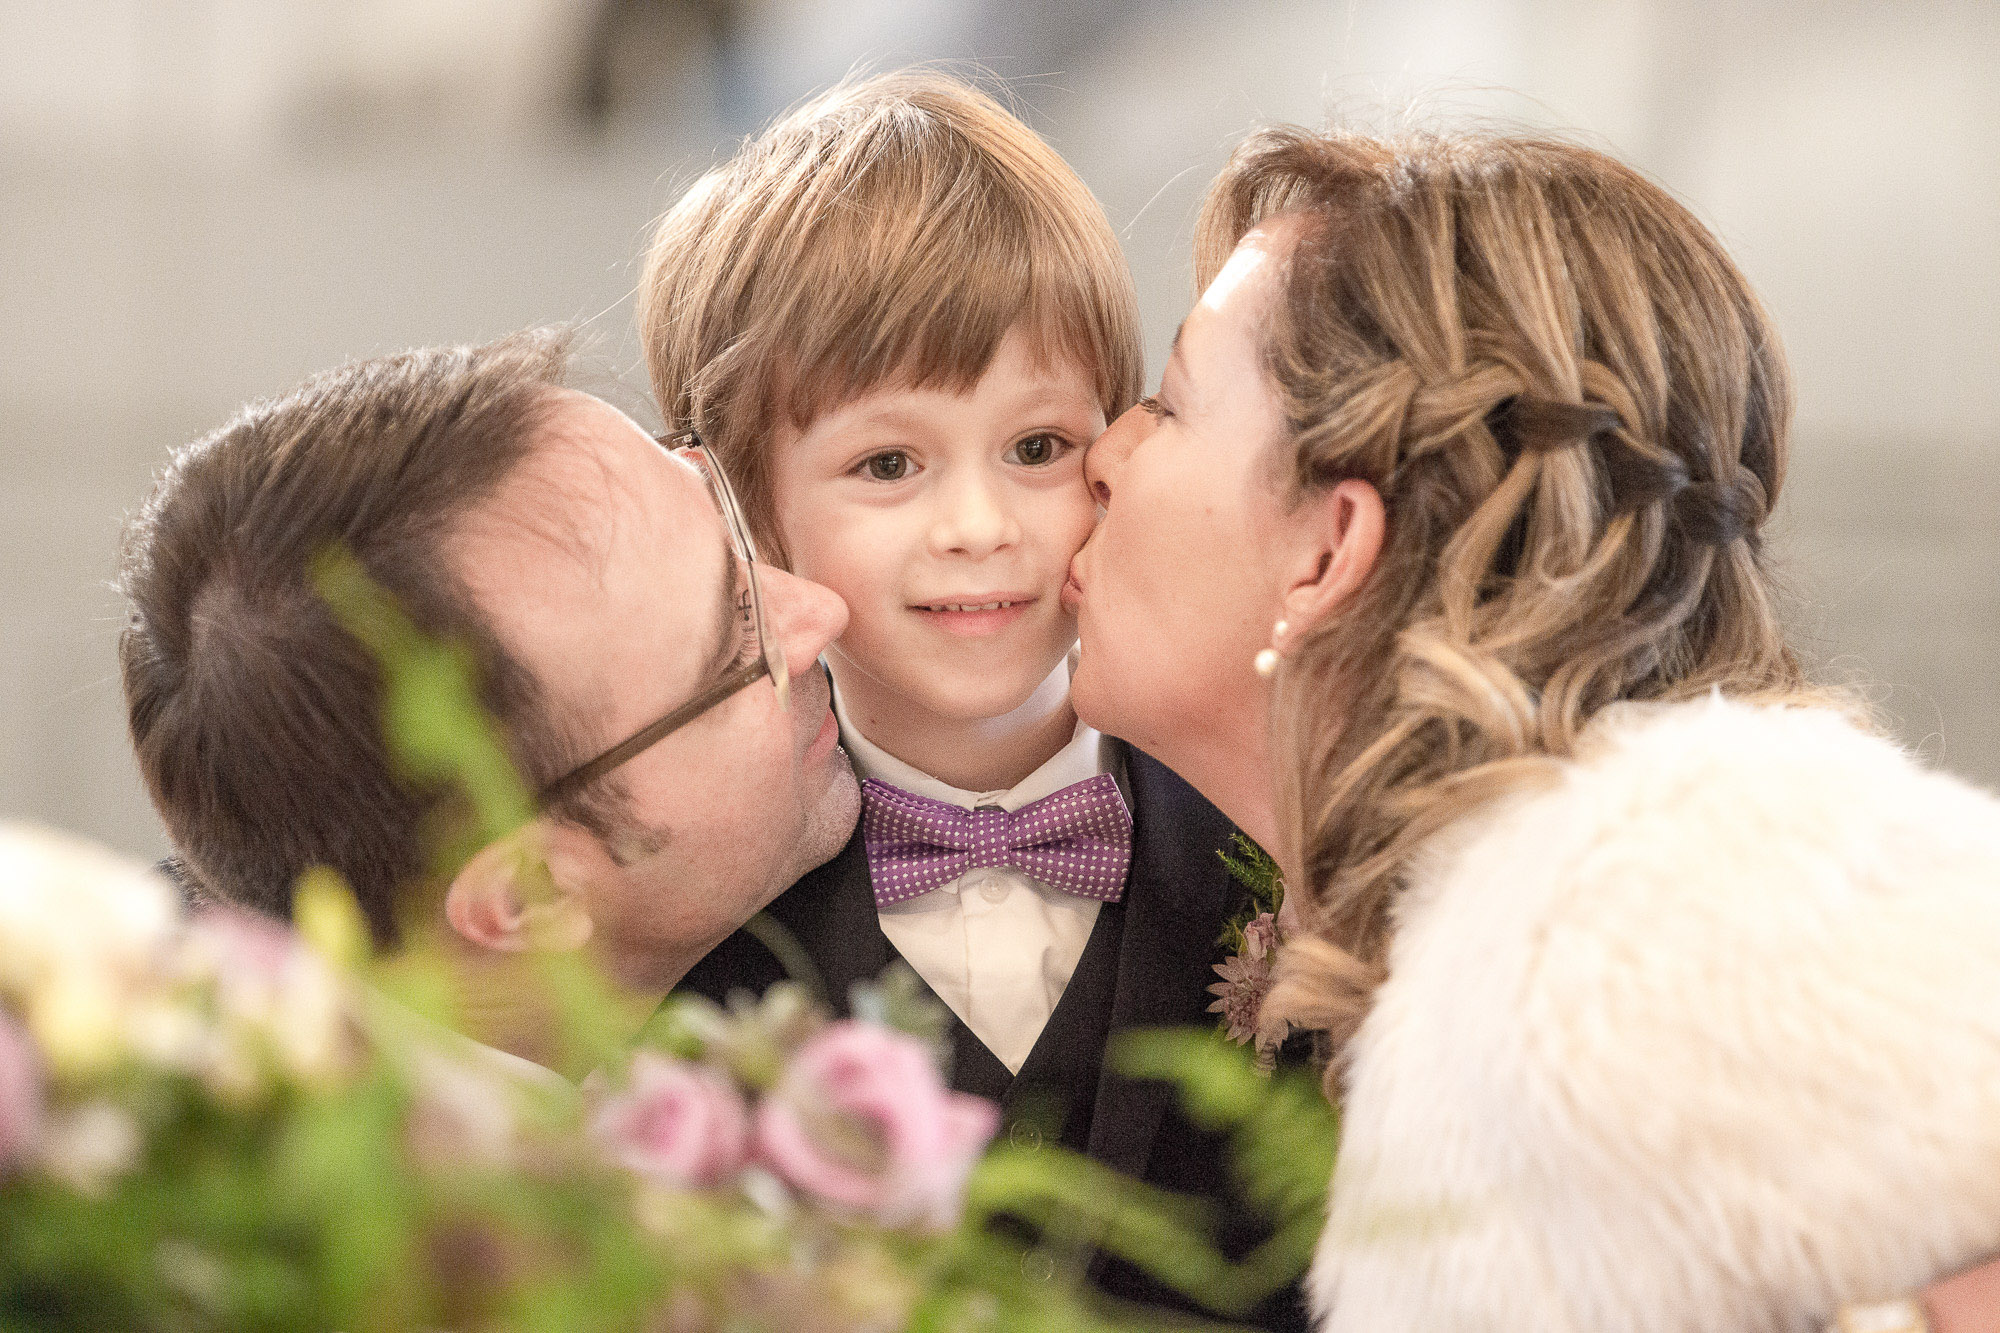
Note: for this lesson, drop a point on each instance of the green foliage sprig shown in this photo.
(1253, 868)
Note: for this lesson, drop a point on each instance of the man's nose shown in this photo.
(1107, 454)
(804, 617)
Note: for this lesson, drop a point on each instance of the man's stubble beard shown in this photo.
(829, 818)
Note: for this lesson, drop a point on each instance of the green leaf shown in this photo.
(328, 919)
(1078, 1203)
(1283, 1134)
(439, 734)
(899, 999)
(1258, 873)
(437, 728)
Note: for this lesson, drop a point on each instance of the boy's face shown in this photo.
(924, 509)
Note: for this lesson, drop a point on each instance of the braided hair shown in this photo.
(1575, 411)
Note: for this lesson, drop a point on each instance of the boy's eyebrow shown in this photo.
(888, 414)
(1051, 394)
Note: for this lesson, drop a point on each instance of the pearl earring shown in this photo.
(1265, 663)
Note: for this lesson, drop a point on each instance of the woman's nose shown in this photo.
(1107, 454)
(803, 616)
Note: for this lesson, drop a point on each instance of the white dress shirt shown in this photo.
(997, 945)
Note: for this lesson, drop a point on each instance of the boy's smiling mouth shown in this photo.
(975, 616)
(994, 605)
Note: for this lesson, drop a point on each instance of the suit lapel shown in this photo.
(1177, 898)
(1057, 1085)
(974, 1067)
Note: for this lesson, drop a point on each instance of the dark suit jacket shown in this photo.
(1148, 963)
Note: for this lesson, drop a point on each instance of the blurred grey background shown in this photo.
(204, 200)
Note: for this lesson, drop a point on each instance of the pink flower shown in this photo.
(1240, 994)
(678, 1123)
(862, 1120)
(1260, 937)
(20, 1095)
(1245, 985)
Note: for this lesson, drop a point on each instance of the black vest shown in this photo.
(1148, 963)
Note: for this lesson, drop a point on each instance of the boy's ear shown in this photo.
(525, 891)
(1342, 530)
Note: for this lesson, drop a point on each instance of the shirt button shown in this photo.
(1025, 1136)
(1037, 1266)
(992, 888)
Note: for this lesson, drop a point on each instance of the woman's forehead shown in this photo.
(1224, 331)
(1247, 269)
(1257, 262)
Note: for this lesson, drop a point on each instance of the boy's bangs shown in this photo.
(889, 234)
(939, 326)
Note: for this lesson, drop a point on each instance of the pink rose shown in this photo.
(862, 1120)
(20, 1095)
(1260, 937)
(678, 1123)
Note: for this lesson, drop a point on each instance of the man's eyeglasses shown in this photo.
(770, 659)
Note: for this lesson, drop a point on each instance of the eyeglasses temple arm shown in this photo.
(577, 778)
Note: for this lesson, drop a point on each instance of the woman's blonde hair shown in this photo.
(1575, 411)
(891, 231)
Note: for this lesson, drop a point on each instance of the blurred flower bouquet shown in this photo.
(214, 1122)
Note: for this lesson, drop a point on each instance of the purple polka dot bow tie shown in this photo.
(1079, 840)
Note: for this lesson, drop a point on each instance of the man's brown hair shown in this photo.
(257, 719)
(890, 232)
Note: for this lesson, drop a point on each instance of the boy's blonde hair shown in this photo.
(890, 232)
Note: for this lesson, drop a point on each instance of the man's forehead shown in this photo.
(597, 470)
(645, 504)
(601, 547)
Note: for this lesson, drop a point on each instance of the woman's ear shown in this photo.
(525, 891)
(1341, 530)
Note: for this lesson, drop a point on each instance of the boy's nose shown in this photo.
(972, 520)
(1107, 454)
(803, 616)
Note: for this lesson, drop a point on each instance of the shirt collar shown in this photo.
(1087, 754)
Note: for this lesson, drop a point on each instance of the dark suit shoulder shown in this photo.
(829, 914)
(1177, 832)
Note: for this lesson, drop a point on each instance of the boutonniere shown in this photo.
(1252, 939)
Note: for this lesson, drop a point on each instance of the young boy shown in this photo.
(897, 319)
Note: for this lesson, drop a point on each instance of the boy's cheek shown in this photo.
(822, 539)
(1076, 520)
(864, 572)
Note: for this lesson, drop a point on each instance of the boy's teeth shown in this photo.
(969, 606)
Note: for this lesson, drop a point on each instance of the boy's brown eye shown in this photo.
(888, 467)
(1037, 450)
